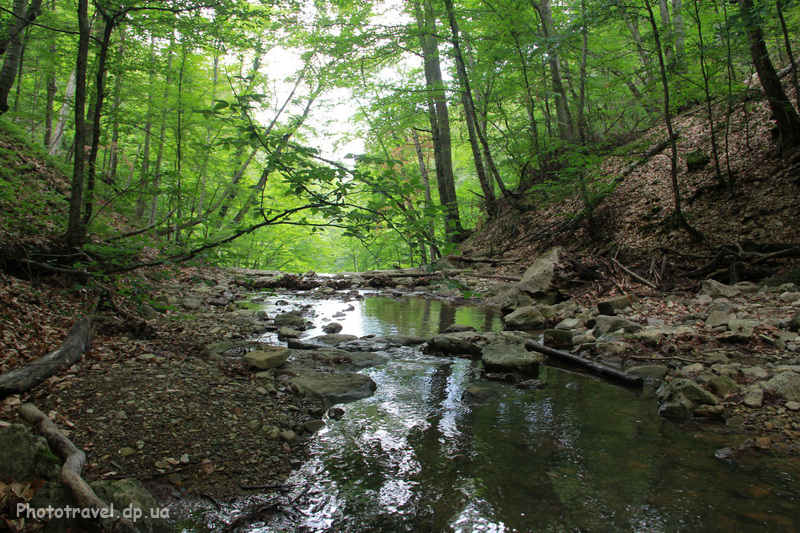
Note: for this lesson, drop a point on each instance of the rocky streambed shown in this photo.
(230, 415)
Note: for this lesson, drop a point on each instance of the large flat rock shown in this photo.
(336, 387)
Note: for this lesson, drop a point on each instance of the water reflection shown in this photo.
(590, 457)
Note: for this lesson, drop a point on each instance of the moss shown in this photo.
(696, 161)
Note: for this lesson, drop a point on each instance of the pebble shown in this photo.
(793, 406)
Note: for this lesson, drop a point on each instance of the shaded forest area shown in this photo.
(209, 130)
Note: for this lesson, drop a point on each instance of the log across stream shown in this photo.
(578, 455)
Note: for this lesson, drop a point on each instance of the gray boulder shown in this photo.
(786, 386)
(604, 324)
(539, 276)
(679, 398)
(715, 289)
(127, 493)
(506, 357)
(607, 307)
(794, 323)
(292, 320)
(525, 319)
(336, 387)
(320, 341)
(267, 357)
(332, 327)
(452, 345)
(649, 372)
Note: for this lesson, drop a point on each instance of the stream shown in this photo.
(580, 455)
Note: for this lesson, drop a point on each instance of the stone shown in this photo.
(604, 324)
(267, 357)
(680, 397)
(286, 332)
(696, 161)
(539, 276)
(476, 395)
(722, 385)
(312, 426)
(650, 337)
(514, 299)
(715, 289)
(131, 493)
(719, 318)
(332, 327)
(649, 372)
(526, 319)
(709, 411)
(692, 369)
(570, 324)
(754, 373)
(292, 320)
(789, 297)
(753, 397)
(452, 345)
(793, 406)
(336, 387)
(289, 436)
(794, 323)
(607, 307)
(558, 338)
(786, 386)
(506, 357)
(532, 384)
(457, 328)
(320, 341)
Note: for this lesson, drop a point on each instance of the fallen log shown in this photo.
(25, 378)
(593, 366)
(74, 461)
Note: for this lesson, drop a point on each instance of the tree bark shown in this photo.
(23, 14)
(439, 119)
(595, 367)
(783, 112)
(74, 461)
(566, 128)
(788, 43)
(25, 378)
(76, 231)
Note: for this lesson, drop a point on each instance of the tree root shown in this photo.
(74, 461)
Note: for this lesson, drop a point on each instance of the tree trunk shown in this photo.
(783, 112)
(76, 232)
(679, 217)
(63, 114)
(115, 149)
(423, 171)
(144, 182)
(161, 138)
(788, 43)
(22, 15)
(96, 114)
(439, 119)
(566, 128)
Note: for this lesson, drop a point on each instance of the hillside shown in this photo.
(759, 211)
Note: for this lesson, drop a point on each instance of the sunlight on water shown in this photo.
(589, 457)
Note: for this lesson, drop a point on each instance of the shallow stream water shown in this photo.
(581, 455)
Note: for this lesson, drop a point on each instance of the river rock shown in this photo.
(679, 398)
(607, 307)
(452, 345)
(722, 385)
(715, 289)
(754, 373)
(291, 319)
(267, 357)
(332, 327)
(476, 395)
(127, 493)
(539, 276)
(558, 338)
(457, 328)
(719, 318)
(649, 372)
(794, 323)
(526, 319)
(513, 299)
(288, 333)
(786, 386)
(320, 341)
(336, 387)
(604, 324)
(753, 397)
(506, 357)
